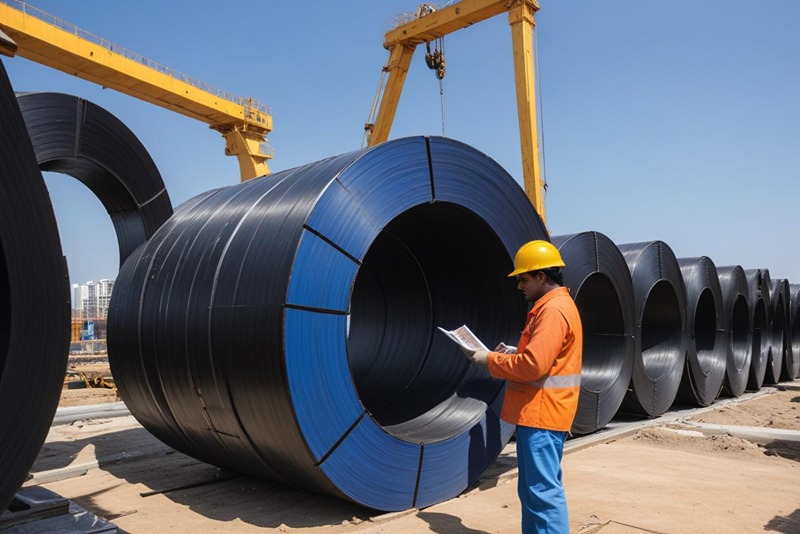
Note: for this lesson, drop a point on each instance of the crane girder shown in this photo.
(42, 38)
(402, 40)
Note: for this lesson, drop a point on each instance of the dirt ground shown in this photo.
(648, 476)
(91, 365)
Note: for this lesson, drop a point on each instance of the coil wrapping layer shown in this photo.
(660, 312)
(81, 139)
(600, 283)
(760, 311)
(779, 350)
(285, 327)
(706, 351)
(794, 329)
(34, 301)
(737, 319)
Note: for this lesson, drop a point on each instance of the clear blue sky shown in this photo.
(677, 121)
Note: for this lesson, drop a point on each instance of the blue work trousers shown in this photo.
(544, 505)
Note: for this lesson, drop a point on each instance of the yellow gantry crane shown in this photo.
(432, 24)
(46, 39)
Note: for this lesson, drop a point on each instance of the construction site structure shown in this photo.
(46, 39)
(431, 24)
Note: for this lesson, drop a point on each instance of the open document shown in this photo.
(464, 337)
(467, 339)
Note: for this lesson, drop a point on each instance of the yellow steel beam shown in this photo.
(399, 60)
(50, 41)
(444, 21)
(521, 19)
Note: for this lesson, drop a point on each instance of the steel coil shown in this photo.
(286, 327)
(660, 343)
(760, 311)
(600, 283)
(779, 351)
(706, 350)
(76, 137)
(794, 330)
(34, 301)
(737, 321)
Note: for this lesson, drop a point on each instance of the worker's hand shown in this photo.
(477, 357)
(505, 349)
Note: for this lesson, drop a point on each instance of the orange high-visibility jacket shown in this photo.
(544, 377)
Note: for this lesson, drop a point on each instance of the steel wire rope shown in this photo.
(737, 319)
(780, 350)
(284, 327)
(660, 342)
(34, 301)
(600, 283)
(706, 351)
(760, 310)
(76, 137)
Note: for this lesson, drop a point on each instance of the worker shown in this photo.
(542, 384)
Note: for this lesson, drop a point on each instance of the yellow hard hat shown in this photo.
(536, 255)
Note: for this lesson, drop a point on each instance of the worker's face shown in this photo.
(531, 285)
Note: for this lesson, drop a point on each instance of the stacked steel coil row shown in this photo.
(285, 327)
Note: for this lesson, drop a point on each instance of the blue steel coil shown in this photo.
(76, 137)
(660, 344)
(738, 328)
(794, 329)
(34, 301)
(600, 283)
(758, 285)
(780, 352)
(706, 350)
(285, 327)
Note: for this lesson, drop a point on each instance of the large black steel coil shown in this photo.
(600, 283)
(286, 327)
(76, 137)
(760, 311)
(794, 329)
(774, 338)
(660, 312)
(34, 301)
(706, 350)
(737, 321)
(779, 351)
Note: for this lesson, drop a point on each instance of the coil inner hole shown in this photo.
(661, 331)
(417, 276)
(739, 332)
(604, 338)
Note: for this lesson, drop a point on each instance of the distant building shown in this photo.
(90, 301)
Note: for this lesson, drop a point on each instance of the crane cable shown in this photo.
(435, 61)
(370, 124)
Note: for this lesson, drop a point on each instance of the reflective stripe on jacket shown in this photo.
(543, 380)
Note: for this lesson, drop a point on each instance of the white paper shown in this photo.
(464, 337)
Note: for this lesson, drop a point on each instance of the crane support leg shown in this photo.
(246, 146)
(521, 19)
(399, 61)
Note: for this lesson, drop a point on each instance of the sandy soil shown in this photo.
(91, 365)
(661, 476)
